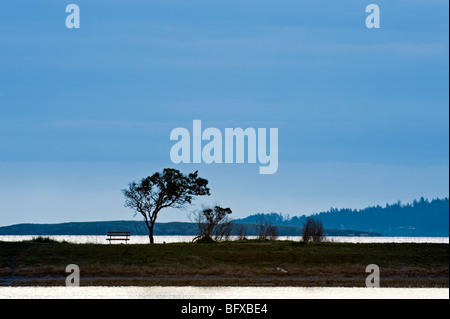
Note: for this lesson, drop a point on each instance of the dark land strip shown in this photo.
(244, 263)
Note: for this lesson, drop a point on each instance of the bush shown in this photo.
(205, 240)
(212, 223)
(313, 231)
(44, 240)
(241, 232)
(266, 230)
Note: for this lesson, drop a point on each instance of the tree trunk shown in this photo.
(152, 224)
(150, 231)
(150, 236)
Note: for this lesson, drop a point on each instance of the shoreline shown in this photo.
(138, 239)
(216, 281)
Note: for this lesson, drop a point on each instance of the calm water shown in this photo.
(220, 293)
(180, 239)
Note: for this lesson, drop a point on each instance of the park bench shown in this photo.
(118, 235)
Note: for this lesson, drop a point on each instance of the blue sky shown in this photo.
(362, 114)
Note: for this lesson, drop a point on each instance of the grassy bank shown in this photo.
(247, 263)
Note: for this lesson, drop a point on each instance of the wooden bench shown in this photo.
(118, 235)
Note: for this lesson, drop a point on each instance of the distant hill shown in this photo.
(420, 218)
(139, 228)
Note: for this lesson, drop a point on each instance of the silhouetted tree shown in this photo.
(241, 232)
(213, 222)
(169, 188)
(313, 230)
(266, 230)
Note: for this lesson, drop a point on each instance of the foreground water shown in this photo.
(220, 293)
(180, 239)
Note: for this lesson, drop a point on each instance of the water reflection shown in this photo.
(220, 293)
